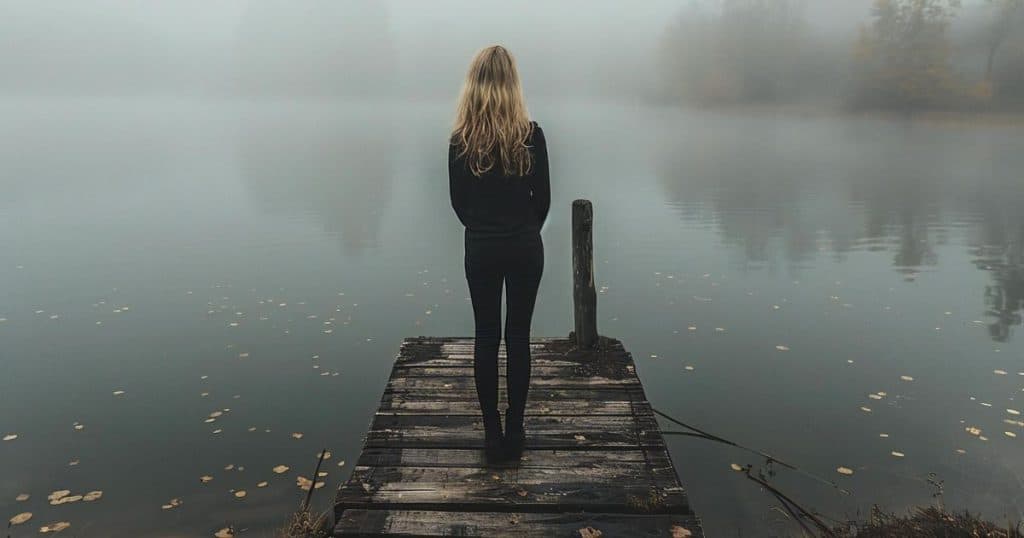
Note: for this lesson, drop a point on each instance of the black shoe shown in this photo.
(515, 436)
(493, 439)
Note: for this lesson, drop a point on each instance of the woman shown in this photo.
(498, 181)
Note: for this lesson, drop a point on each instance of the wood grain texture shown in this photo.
(595, 455)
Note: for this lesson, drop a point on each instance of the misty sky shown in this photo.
(412, 47)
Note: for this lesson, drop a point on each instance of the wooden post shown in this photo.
(584, 296)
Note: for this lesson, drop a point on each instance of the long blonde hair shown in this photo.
(491, 116)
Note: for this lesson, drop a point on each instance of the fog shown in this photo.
(404, 48)
(244, 205)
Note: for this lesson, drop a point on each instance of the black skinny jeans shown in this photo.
(518, 262)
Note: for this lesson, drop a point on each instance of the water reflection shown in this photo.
(339, 166)
(789, 189)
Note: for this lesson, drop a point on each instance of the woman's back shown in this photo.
(497, 205)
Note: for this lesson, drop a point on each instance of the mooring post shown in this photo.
(584, 296)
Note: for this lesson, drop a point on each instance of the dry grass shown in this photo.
(930, 522)
(303, 524)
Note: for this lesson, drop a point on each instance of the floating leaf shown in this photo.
(21, 518)
(897, 454)
(262, 484)
(92, 496)
(58, 494)
(782, 348)
(844, 471)
(906, 378)
(10, 437)
(173, 503)
(297, 435)
(1010, 434)
(281, 469)
(240, 494)
(205, 478)
(999, 372)
(226, 532)
(735, 467)
(679, 532)
(590, 532)
(54, 527)
(118, 393)
(22, 497)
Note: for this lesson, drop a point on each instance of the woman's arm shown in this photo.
(541, 199)
(456, 190)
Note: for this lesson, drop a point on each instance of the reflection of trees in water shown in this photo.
(315, 47)
(901, 191)
(753, 181)
(339, 166)
(998, 247)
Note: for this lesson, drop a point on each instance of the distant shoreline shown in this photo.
(1004, 118)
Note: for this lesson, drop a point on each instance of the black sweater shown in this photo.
(495, 205)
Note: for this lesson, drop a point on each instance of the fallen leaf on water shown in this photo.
(173, 503)
(679, 532)
(1010, 434)
(999, 372)
(118, 392)
(897, 454)
(22, 497)
(865, 409)
(229, 466)
(240, 494)
(844, 471)
(226, 532)
(782, 348)
(54, 527)
(10, 437)
(973, 431)
(341, 463)
(590, 532)
(21, 518)
(58, 494)
(735, 467)
(297, 435)
(92, 496)
(205, 478)
(906, 378)
(1013, 411)
(883, 435)
(262, 485)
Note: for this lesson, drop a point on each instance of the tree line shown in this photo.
(908, 54)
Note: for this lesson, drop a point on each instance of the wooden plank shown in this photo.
(425, 523)
(621, 488)
(465, 383)
(614, 393)
(541, 459)
(397, 404)
(546, 432)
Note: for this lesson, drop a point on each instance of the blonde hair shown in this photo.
(491, 117)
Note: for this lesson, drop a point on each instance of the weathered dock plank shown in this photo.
(595, 455)
(434, 523)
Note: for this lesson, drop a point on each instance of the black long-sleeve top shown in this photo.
(495, 205)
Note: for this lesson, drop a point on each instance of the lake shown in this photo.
(214, 288)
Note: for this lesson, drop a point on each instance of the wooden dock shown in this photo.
(595, 455)
(595, 462)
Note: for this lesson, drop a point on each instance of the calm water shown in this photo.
(265, 259)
